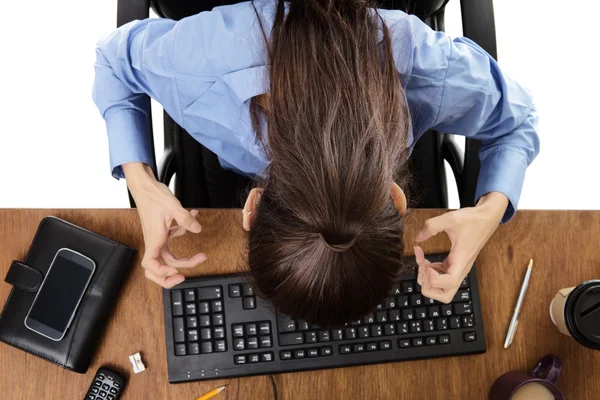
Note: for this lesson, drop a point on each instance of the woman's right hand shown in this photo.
(157, 208)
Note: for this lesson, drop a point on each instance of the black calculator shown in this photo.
(107, 385)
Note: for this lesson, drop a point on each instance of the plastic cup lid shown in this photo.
(582, 314)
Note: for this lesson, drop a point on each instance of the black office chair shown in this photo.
(183, 155)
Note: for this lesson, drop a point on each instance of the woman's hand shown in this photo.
(468, 229)
(158, 207)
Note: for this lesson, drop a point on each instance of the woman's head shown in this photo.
(326, 238)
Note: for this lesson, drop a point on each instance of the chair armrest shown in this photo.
(167, 166)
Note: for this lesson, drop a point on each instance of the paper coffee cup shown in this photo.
(576, 312)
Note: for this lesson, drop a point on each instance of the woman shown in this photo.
(321, 102)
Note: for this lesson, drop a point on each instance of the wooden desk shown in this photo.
(563, 244)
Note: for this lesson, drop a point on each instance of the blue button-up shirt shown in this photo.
(205, 69)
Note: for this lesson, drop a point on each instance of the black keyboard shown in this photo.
(217, 328)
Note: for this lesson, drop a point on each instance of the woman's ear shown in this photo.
(399, 198)
(250, 207)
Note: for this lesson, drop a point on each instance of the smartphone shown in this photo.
(59, 295)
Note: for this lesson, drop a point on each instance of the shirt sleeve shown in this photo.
(454, 86)
(132, 61)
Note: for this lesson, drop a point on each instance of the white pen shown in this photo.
(512, 328)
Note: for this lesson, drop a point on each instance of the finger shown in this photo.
(166, 282)
(156, 268)
(433, 226)
(186, 219)
(183, 262)
(437, 294)
(442, 281)
(176, 231)
(419, 255)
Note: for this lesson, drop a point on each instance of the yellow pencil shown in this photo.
(212, 393)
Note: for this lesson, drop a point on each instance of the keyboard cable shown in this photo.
(274, 386)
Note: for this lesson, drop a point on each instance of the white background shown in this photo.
(53, 146)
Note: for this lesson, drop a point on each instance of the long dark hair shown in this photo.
(327, 242)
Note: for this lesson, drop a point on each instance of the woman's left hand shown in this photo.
(468, 230)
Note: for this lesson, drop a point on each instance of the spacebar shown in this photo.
(290, 339)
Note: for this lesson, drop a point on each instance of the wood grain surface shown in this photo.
(564, 245)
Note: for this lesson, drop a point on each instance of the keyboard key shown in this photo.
(180, 349)
(403, 343)
(408, 314)
(415, 326)
(402, 301)
(324, 336)
(356, 322)
(206, 347)
(266, 357)
(337, 334)
(441, 324)
(234, 291)
(417, 342)
(402, 328)
(389, 329)
(376, 331)
(264, 328)
(389, 302)
(285, 355)
(204, 307)
(363, 332)
(417, 288)
(311, 337)
(358, 348)
(465, 283)
(204, 320)
(290, 339)
(192, 322)
(369, 319)
(238, 330)
(313, 352)
(394, 315)
(220, 344)
(265, 341)
(454, 322)
(433, 311)
(205, 334)
(253, 358)
(251, 329)
(396, 289)
(462, 295)
(238, 344)
(407, 287)
(247, 290)
(219, 332)
(284, 324)
(428, 302)
(176, 303)
(302, 326)
(217, 319)
(381, 316)
(430, 341)
(420, 313)
(345, 349)
(428, 325)
(239, 359)
(178, 332)
(415, 299)
(189, 294)
(190, 309)
(463, 308)
(252, 342)
(299, 353)
(372, 346)
(217, 306)
(385, 345)
(193, 348)
(209, 293)
(248, 303)
(467, 321)
(326, 351)
(469, 336)
(192, 335)
(446, 310)
(443, 339)
(350, 333)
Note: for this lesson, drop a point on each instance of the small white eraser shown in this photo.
(136, 361)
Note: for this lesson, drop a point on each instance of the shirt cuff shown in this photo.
(128, 140)
(503, 171)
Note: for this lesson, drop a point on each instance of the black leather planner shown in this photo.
(113, 261)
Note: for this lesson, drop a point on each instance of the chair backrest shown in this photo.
(183, 155)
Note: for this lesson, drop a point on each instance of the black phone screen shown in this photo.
(60, 294)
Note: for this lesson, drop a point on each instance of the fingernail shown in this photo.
(196, 227)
